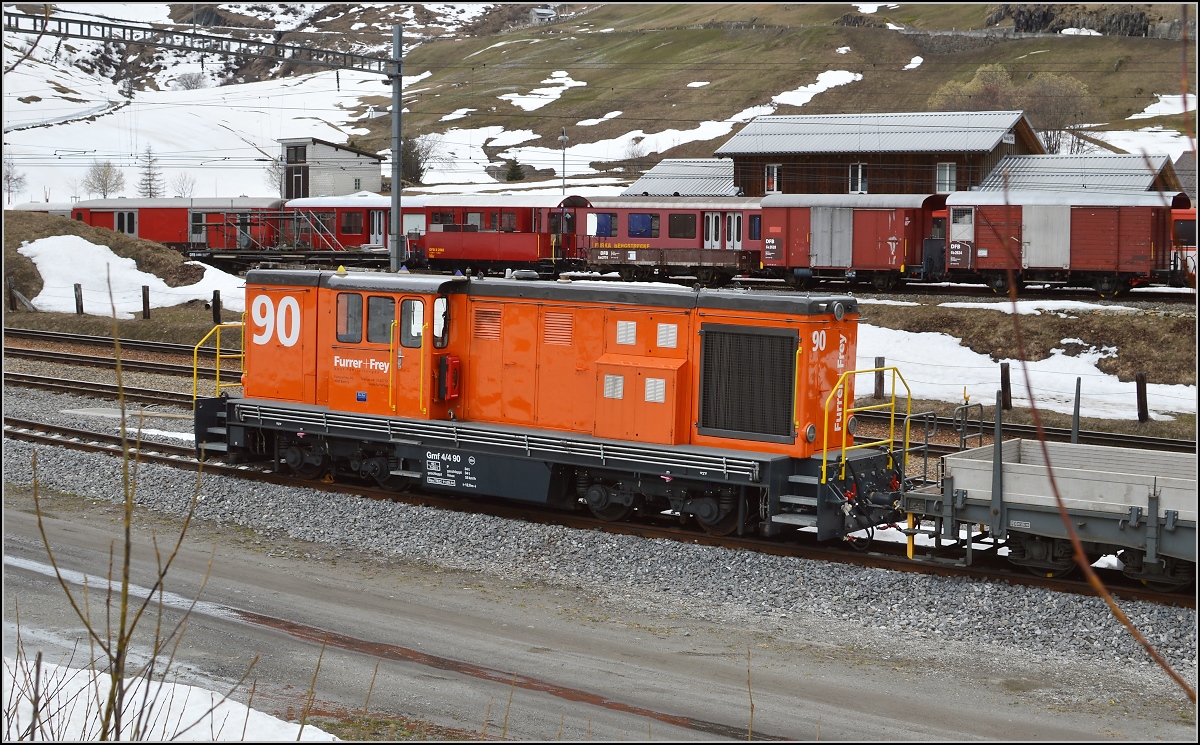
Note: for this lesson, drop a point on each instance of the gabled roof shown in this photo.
(1100, 173)
(934, 132)
(1185, 170)
(315, 141)
(694, 177)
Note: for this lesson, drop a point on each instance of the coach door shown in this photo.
(712, 229)
(410, 376)
(733, 231)
(378, 220)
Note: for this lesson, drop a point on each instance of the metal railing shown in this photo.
(846, 410)
(239, 355)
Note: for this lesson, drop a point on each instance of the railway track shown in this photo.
(882, 555)
(87, 360)
(107, 341)
(99, 390)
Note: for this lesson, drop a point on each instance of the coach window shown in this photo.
(412, 319)
(381, 311)
(349, 318)
(774, 178)
(643, 225)
(681, 226)
(493, 221)
(352, 223)
(441, 323)
(79, 216)
(474, 222)
(858, 178)
(508, 222)
(755, 228)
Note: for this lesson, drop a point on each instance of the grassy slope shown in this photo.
(643, 66)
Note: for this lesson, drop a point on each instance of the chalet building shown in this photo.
(1105, 173)
(539, 16)
(1185, 169)
(686, 177)
(915, 153)
(316, 168)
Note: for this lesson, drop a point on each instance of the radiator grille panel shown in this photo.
(558, 329)
(487, 324)
(747, 383)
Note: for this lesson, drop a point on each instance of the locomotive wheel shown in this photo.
(311, 471)
(723, 526)
(612, 512)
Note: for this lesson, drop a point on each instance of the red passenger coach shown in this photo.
(643, 237)
(183, 222)
(1109, 241)
(873, 237)
(489, 233)
(350, 222)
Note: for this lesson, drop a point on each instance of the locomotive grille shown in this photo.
(747, 383)
(558, 329)
(487, 324)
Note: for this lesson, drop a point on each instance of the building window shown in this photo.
(774, 178)
(358, 184)
(946, 177)
(681, 225)
(858, 178)
(643, 225)
(296, 153)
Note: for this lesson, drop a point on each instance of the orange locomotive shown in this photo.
(728, 406)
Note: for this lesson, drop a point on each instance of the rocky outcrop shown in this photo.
(856, 20)
(1109, 20)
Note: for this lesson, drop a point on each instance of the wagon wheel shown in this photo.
(612, 512)
(1051, 573)
(884, 282)
(1106, 287)
(799, 283)
(999, 284)
(643, 273)
(723, 525)
(627, 273)
(1165, 585)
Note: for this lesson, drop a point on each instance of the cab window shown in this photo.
(441, 323)
(349, 317)
(412, 319)
(381, 311)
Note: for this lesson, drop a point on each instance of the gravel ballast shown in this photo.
(941, 621)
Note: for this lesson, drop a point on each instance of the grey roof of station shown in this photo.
(935, 132)
(696, 177)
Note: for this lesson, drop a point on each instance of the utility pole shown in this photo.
(397, 250)
(562, 141)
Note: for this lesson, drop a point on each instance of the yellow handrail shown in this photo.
(847, 412)
(392, 365)
(421, 352)
(241, 355)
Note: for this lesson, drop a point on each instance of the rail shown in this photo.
(842, 394)
(240, 355)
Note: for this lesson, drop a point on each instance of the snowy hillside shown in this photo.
(73, 103)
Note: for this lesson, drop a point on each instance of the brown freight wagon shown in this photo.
(1110, 242)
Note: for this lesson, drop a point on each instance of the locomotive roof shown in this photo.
(658, 294)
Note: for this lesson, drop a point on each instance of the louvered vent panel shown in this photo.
(487, 324)
(747, 383)
(656, 390)
(614, 386)
(559, 328)
(627, 332)
(668, 335)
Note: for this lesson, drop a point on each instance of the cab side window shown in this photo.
(381, 311)
(412, 321)
(349, 317)
(441, 323)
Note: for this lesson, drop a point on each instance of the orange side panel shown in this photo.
(571, 339)
(637, 398)
(484, 373)
(520, 374)
(281, 325)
